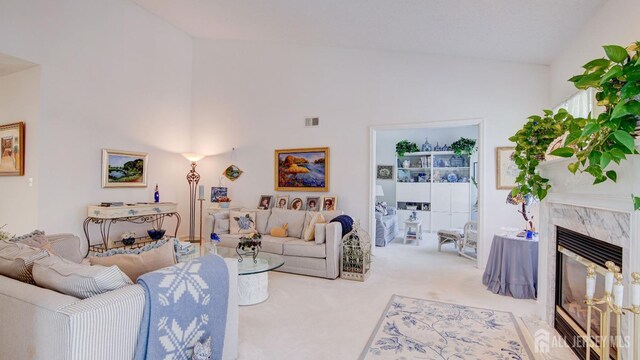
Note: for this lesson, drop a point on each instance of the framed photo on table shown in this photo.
(265, 202)
(124, 168)
(329, 203)
(282, 201)
(12, 148)
(506, 169)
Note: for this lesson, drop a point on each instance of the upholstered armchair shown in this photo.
(386, 226)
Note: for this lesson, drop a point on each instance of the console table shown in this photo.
(105, 216)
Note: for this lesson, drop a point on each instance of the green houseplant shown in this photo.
(464, 146)
(405, 146)
(595, 142)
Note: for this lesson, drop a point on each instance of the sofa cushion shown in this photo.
(294, 218)
(310, 230)
(327, 215)
(320, 233)
(242, 222)
(221, 223)
(305, 249)
(79, 280)
(275, 245)
(68, 246)
(262, 219)
(16, 260)
(135, 265)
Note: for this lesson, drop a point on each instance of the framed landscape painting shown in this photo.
(506, 168)
(12, 149)
(124, 169)
(302, 169)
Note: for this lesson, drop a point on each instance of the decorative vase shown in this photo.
(156, 234)
(156, 195)
(224, 205)
(128, 241)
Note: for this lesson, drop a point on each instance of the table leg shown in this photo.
(253, 289)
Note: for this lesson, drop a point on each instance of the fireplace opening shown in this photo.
(574, 252)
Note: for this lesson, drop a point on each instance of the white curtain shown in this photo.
(581, 104)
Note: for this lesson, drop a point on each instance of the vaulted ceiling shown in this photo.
(513, 30)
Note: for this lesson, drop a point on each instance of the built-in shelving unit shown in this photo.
(436, 185)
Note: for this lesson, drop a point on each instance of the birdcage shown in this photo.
(355, 260)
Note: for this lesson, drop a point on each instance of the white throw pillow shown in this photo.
(16, 260)
(221, 223)
(242, 222)
(309, 233)
(79, 280)
(321, 233)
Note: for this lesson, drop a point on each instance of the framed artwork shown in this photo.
(329, 203)
(218, 192)
(232, 172)
(282, 201)
(313, 203)
(265, 202)
(506, 169)
(385, 172)
(124, 168)
(296, 204)
(302, 169)
(12, 148)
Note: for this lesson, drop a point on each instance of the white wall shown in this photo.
(386, 148)
(255, 96)
(112, 76)
(20, 101)
(616, 23)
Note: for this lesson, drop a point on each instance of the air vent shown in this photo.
(310, 122)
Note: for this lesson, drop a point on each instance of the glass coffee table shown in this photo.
(253, 280)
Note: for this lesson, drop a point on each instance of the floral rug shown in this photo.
(423, 329)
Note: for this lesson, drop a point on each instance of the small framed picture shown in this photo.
(385, 172)
(329, 203)
(296, 204)
(217, 192)
(12, 149)
(506, 168)
(124, 168)
(313, 203)
(282, 201)
(265, 202)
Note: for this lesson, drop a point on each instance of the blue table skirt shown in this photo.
(512, 268)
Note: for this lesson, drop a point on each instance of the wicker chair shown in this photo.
(470, 240)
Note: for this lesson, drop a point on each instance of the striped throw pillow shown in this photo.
(78, 280)
(16, 260)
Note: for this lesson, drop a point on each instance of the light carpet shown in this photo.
(413, 328)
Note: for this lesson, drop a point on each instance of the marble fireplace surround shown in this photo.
(603, 211)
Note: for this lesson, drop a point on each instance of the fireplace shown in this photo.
(574, 252)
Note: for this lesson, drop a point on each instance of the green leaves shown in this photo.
(563, 152)
(623, 138)
(594, 142)
(616, 53)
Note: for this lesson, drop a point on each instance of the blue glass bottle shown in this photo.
(156, 195)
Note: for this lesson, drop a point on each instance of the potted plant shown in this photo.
(464, 146)
(128, 238)
(595, 142)
(405, 146)
(249, 244)
(4, 235)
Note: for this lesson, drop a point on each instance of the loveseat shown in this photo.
(314, 258)
(38, 323)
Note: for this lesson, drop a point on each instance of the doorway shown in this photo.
(433, 186)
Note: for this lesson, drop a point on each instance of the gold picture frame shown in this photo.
(123, 168)
(506, 169)
(12, 149)
(302, 169)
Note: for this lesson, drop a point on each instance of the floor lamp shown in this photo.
(192, 178)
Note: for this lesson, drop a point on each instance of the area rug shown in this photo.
(422, 329)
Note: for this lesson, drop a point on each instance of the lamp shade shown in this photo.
(379, 191)
(193, 157)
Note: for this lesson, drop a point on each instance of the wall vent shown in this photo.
(310, 122)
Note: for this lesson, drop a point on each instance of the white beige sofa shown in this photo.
(300, 256)
(37, 323)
